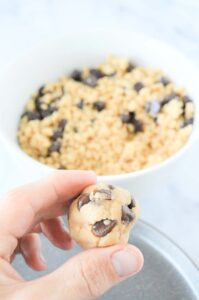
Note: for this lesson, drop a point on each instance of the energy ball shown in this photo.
(102, 215)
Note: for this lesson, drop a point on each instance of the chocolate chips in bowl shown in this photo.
(121, 116)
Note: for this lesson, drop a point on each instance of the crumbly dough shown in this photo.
(101, 216)
(116, 118)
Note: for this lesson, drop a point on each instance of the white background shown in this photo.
(25, 23)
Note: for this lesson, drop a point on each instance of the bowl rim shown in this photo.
(14, 148)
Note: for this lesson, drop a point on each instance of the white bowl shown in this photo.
(75, 50)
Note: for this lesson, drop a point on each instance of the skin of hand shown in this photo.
(36, 208)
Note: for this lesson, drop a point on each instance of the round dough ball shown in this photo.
(102, 216)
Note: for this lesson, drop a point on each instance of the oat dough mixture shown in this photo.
(101, 216)
(114, 118)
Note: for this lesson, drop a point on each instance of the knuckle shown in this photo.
(92, 278)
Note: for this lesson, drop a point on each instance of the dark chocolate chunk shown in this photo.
(138, 126)
(130, 67)
(107, 193)
(38, 104)
(41, 91)
(111, 187)
(31, 115)
(55, 147)
(96, 73)
(62, 124)
(168, 98)
(132, 204)
(138, 86)
(164, 80)
(153, 108)
(57, 134)
(103, 227)
(127, 215)
(187, 122)
(128, 118)
(80, 104)
(99, 105)
(47, 112)
(91, 80)
(187, 99)
(82, 200)
(76, 75)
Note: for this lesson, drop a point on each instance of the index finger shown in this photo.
(26, 206)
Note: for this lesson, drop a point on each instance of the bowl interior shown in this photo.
(58, 57)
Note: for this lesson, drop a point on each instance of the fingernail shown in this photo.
(125, 263)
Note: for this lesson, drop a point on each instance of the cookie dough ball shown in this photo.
(102, 216)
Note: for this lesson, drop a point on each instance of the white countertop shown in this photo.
(23, 24)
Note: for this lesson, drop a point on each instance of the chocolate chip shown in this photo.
(106, 193)
(127, 118)
(62, 124)
(76, 75)
(91, 80)
(164, 80)
(127, 215)
(47, 112)
(138, 86)
(44, 112)
(138, 126)
(130, 118)
(82, 200)
(96, 73)
(168, 98)
(57, 134)
(99, 105)
(187, 99)
(31, 115)
(153, 108)
(100, 195)
(55, 147)
(130, 67)
(80, 104)
(111, 187)
(187, 122)
(41, 91)
(103, 227)
(38, 104)
(132, 204)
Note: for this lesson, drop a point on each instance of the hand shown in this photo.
(36, 208)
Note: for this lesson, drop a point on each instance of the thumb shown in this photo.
(88, 275)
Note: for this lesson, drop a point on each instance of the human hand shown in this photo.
(35, 208)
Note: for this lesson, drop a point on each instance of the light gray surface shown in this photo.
(24, 24)
(167, 274)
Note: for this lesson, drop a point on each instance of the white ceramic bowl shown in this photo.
(75, 50)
